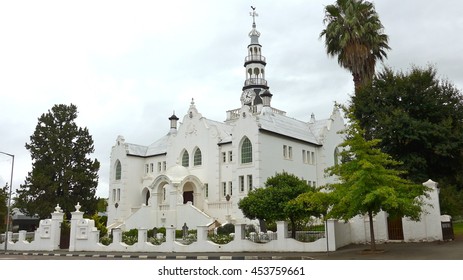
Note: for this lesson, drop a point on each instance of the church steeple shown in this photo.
(254, 63)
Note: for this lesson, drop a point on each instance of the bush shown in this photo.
(162, 230)
(130, 237)
(106, 240)
(271, 226)
(100, 224)
(226, 229)
(179, 233)
(152, 232)
(248, 229)
(156, 241)
(190, 238)
(221, 238)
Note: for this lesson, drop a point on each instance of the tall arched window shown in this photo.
(147, 197)
(185, 159)
(336, 156)
(246, 151)
(118, 170)
(197, 158)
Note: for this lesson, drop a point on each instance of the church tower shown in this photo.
(255, 83)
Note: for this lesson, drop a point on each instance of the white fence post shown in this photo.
(330, 234)
(239, 232)
(202, 233)
(75, 218)
(142, 235)
(282, 230)
(56, 221)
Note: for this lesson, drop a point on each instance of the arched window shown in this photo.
(147, 197)
(118, 170)
(185, 159)
(246, 151)
(197, 158)
(336, 156)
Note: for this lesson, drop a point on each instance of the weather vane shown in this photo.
(253, 14)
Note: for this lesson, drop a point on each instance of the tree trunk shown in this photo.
(357, 81)
(372, 232)
(293, 228)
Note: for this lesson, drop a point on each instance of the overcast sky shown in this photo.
(127, 65)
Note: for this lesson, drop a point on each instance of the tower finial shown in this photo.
(254, 15)
(254, 34)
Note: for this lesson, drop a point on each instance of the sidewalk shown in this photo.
(438, 250)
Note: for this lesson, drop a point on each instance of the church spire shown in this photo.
(255, 67)
(254, 34)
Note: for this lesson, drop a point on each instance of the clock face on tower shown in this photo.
(247, 97)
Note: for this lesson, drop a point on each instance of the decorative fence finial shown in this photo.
(58, 209)
(78, 207)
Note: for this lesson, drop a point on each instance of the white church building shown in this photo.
(197, 173)
(201, 168)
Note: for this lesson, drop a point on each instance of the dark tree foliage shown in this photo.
(273, 202)
(61, 172)
(3, 207)
(419, 120)
(102, 204)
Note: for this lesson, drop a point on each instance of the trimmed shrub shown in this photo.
(226, 229)
(130, 237)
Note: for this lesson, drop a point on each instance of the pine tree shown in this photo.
(61, 172)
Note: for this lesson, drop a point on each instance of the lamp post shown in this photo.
(9, 200)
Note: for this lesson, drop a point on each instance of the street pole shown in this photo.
(9, 200)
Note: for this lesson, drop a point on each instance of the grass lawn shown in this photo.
(458, 228)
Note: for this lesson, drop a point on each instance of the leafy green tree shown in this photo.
(368, 182)
(355, 35)
(450, 199)
(100, 223)
(272, 203)
(102, 204)
(419, 119)
(315, 203)
(62, 173)
(3, 207)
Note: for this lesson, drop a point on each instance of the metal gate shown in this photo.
(395, 229)
(447, 230)
(65, 235)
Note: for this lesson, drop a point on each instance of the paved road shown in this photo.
(446, 250)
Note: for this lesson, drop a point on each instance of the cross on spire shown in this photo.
(253, 14)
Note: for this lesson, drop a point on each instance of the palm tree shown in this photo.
(355, 34)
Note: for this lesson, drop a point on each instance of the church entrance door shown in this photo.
(187, 196)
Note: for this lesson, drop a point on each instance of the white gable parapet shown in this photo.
(429, 227)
